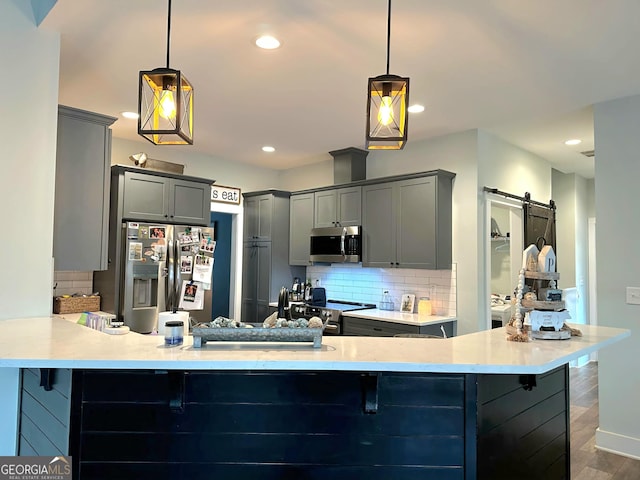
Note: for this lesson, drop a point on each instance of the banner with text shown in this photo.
(222, 194)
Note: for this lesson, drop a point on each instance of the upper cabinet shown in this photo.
(300, 225)
(259, 211)
(407, 223)
(81, 210)
(340, 207)
(168, 199)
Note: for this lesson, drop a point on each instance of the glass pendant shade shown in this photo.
(387, 114)
(165, 106)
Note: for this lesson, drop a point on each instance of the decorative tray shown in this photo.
(202, 335)
(548, 335)
(563, 334)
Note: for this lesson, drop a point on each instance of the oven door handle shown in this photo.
(331, 327)
(342, 241)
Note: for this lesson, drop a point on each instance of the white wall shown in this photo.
(29, 89)
(564, 194)
(316, 175)
(512, 170)
(617, 173)
(571, 194)
(29, 95)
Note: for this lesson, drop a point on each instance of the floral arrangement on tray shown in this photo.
(273, 329)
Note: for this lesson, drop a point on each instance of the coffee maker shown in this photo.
(296, 290)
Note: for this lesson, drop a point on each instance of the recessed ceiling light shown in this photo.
(573, 141)
(130, 115)
(267, 42)
(268, 149)
(417, 108)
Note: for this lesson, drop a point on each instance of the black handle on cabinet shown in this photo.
(46, 378)
(528, 382)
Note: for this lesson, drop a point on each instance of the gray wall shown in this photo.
(618, 263)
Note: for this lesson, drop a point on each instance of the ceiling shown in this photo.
(525, 70)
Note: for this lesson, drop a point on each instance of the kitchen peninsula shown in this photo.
(472, 406)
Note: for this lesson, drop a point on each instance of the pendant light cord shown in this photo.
(169, 34)
(388, 35)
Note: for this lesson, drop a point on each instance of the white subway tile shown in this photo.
(356, 283)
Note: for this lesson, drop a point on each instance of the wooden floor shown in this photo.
(587, 462)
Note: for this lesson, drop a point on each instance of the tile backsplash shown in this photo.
(68, 283)
(354, 283)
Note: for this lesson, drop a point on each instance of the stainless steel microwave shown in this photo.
(336, 244)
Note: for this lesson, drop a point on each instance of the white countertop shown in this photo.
(399, 317)
(48, 342)
(393, 316)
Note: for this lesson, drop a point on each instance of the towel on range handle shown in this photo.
(319, 297)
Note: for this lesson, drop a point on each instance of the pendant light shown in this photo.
(387, 113)
(165, 103)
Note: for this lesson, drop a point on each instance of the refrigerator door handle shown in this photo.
(170, 295)
(178, 275)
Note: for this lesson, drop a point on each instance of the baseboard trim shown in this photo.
(618, 444)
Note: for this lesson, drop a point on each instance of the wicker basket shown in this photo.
(76, 304)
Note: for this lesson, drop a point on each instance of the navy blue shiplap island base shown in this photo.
(126, 407)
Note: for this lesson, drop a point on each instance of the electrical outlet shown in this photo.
(633, 295)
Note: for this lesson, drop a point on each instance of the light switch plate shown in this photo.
(633, 295)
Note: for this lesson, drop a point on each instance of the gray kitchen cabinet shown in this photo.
(265, 263)
(261, 212)
(300, 225)
(378, 226)
(407, 223)
(378, 328)
(256, 281)
(157, 198)
(338, 207)
(81, 209)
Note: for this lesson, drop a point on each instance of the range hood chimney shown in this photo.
(349, 165)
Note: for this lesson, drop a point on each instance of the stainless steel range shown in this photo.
(331, 311)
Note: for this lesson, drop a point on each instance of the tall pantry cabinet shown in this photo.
(265, 259)
(81, 209)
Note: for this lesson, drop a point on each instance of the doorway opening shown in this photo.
(226, 283)
(221, 282)
(503, 258)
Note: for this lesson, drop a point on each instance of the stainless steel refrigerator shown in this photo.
(156, 269)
